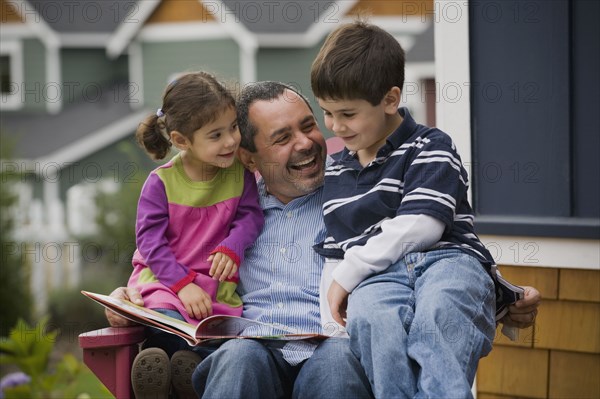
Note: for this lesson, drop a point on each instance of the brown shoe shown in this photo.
(183, 364)
(151, 374)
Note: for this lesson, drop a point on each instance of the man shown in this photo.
(279, 280)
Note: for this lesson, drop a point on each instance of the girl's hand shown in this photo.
(223, 267)
(337, 297)
(197, 302)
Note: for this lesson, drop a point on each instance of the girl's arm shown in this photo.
(151, 227)
(247, 224)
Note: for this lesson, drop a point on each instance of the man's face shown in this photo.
(290, 148)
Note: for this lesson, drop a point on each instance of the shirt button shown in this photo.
(282, 250)
(289, 214)
(280, 284)
(280, 305)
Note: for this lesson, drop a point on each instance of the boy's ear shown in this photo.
(247, 159)
(179, 140)
(391, 100)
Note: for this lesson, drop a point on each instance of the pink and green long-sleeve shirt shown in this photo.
(181, 222)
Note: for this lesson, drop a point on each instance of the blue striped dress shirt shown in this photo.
(281, 274)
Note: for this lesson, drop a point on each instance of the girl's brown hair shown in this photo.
(189, 102)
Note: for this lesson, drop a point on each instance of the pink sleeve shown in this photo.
(151, 227)
(247, 224)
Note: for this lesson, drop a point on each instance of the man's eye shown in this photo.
(348, 115)
(308, 128)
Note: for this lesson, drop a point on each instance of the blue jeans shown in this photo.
(244, 368)
(420, 327)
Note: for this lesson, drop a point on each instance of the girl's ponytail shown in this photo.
(152, 134)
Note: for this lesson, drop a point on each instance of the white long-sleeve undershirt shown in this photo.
(399, 236)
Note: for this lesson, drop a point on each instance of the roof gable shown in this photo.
(85, 16)
(170, 11)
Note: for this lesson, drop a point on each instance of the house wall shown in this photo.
(34, 91)
(560, 356)
(291, 66)
(85, 70)
(161, 60)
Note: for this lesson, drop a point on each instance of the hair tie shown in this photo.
(160, 113)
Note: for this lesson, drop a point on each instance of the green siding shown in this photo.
(291, 66)
(161, 60)
(35, 85)
(85, 71)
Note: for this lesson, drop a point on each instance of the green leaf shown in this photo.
(19, 392)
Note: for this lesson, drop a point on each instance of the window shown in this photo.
(535, 120)
(4, 74)
(11, 75)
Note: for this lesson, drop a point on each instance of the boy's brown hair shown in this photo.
(357, 61)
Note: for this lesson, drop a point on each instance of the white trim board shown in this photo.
(182, 31)
(16, 30)
(452, 76)
(84, 40)
(128, 28)
(544, 252)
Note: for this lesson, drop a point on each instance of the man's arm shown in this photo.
(523, 312)
(129, 294)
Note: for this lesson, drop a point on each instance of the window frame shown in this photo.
(14, 50)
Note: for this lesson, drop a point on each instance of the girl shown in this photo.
(196, 214)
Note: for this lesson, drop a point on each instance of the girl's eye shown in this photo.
(215, 136)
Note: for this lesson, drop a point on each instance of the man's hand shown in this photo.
(522, 314)
(129, 294)
(223, 267)
(197, 302)
(337, 297)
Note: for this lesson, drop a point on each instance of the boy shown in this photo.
(421, 313)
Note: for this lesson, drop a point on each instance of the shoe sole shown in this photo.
(151, 374)
(183, 364)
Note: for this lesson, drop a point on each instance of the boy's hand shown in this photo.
(337, 297)
(197, 302)
(522, 314)
(223, 267)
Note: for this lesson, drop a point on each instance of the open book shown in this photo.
(508, 294)
(213, 327)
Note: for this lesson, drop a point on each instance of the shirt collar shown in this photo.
(402, 132)
(268, 201)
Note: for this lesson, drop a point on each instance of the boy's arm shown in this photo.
(247, 224)
(151, 227)
(399, 236)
